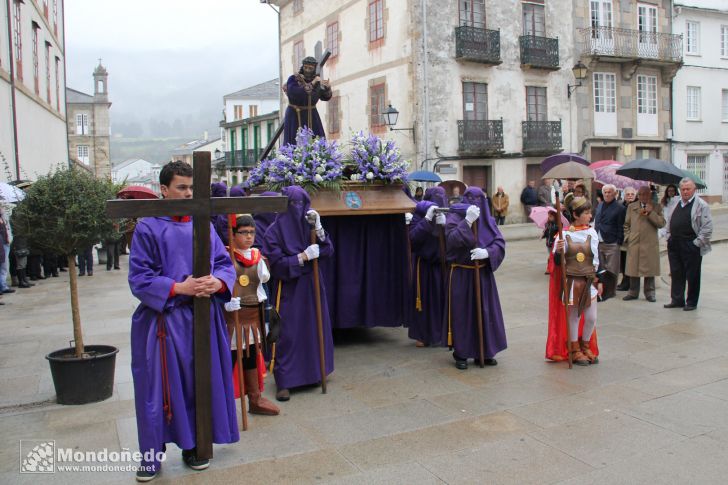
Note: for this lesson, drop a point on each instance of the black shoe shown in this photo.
(188, 456)
(283, 395)
(24, 284)
(8, 290)
(689, 308)
(144, 476)
(1, 303)
(116, 267)
(461, 364)
(62, 270)
(629, 297)
(55, 275)
(672, 305)
(623, 287)
(81, 274)
(651, 299)
(108, 269)
(490, 362)
(90, 273)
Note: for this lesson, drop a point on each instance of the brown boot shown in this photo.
(258, 404)
(576, 356)
(584, 347)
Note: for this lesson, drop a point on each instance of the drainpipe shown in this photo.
(425, 82)
(65, 98)
(12, 90)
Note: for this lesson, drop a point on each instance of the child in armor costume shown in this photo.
(247, 300)
(580, 245)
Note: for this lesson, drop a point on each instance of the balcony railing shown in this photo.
(541, 136)
(240, 159)
(630, 44)
(477, 45)
(540, 52)
(479, 136)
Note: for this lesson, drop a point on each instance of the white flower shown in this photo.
(299, 178)
(376, 160)
(318, 178)
(370, 175)
(354, 176)
(321, 169)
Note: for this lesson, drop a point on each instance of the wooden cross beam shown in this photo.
(200, 207)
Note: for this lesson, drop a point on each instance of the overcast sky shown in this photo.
(170, 59)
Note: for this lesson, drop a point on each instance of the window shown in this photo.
(298, 55)
(647, 95)
(376, 105)
(36, 80)
(724, 41)
(332, 115)
(18, 40)
(698, 165)
(297, 6)
(82, 152)
(472, 13)
(475, 101)
(238, 112)
(724, 106)
(376, 20)
(332, 38)
(601, 15)
(536, 105)
(692, 37)
(534, 20)
(48, 70)
(82, 123)
(253, 110)
(58, 84)
(693, 103)
(605, 92)
(55, 17)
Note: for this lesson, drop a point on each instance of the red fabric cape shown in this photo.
(261, 376)
(556, 348)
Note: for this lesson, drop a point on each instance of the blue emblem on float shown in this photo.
(352, 200)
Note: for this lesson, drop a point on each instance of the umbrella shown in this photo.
(550, 162)
(449, 185)
(699, 183)
(604, 163)
(608, 175)
(569, 170)
(652, 170)
(424, 176)
(9, 193)
(136, 192)
(540, 215)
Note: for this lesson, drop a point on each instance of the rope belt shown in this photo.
(418, 301)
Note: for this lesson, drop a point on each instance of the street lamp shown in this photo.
(218, 154)
(390, 119)
(579, 71)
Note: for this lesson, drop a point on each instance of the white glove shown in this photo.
(472, 214)
(440, 219)
(312, 252)
(478, 253)
(233, 304)
(408, 218)
(314, 219)
(431, 212)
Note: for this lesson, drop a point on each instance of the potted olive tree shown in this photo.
(64, 211)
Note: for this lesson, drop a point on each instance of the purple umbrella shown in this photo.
(608, 175)
(550, 162)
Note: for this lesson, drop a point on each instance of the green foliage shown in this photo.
(65, 210)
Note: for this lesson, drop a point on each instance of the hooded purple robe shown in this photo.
(297, 96)
(219, 221)
(162, 255)
(461, 297)
(263, 221)
(297, 350)
(426, 322)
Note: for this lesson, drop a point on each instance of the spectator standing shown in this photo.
(609, 224)
(529, 197)
(641, 224)
(689, 229)
(544, 193)
(500, 206)
(629, 195)
(4, 254)
(86, 261)
(419, 193)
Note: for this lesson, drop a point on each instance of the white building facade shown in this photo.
(700, 93)
(131, 168)
(32, 87)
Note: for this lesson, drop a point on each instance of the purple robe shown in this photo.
(263, 221)
(428, 288)
(461, 297)
(297, 349)
(162, 255)
(220, 221)
(297, 97)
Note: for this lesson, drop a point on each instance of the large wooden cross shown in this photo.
(200, 207)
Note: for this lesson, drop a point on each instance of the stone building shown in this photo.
(632, 56)
(32, 87)
(700, 93)
(89, 125)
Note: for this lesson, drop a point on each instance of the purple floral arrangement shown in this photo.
(377, 159)
(311, 163)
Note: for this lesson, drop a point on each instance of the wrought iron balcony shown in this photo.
(625, 44)
(240, 159)
(539, 52)
(477, 45)
(480, 136)
(541, 136)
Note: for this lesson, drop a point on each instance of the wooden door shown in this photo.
(478, 176)
(603, 153)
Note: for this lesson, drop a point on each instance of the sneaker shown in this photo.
(190, 459)
(144, 476)
(8, 290)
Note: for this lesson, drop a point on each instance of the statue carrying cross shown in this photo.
(182, 274)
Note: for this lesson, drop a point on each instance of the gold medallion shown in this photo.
(244, 280)
(579, 257)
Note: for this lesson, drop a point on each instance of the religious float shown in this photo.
(62, 212)
(360, 196)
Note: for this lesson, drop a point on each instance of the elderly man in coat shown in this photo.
(641, 225)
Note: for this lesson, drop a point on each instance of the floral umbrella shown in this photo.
(604, 163)
(608, 175)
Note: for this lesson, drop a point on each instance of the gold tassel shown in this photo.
(418, 301)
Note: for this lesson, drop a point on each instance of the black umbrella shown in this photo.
(652, 170)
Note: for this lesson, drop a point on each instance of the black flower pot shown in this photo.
(85, 380)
